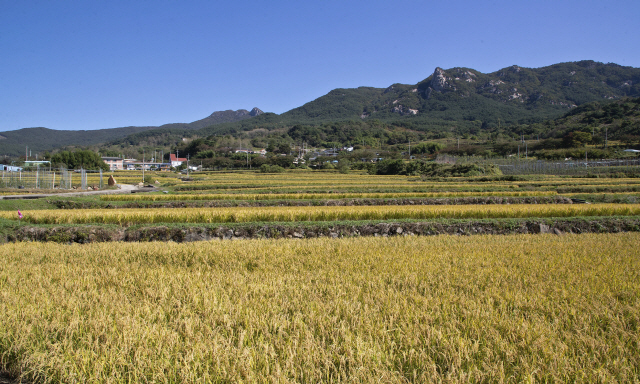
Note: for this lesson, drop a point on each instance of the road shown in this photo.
(123, 188)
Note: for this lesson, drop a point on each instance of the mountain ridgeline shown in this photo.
(513, 95)
(14, 143)
(459, 100)
(451, 102)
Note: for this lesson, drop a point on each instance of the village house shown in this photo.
(36, 163)
(114, 163)
(177, 161)
(262, 152)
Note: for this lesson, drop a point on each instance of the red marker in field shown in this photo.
(19, 214)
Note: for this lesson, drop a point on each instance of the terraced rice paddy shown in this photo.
(416, 309)
(330, 213)
(312, 196)
(509, 308)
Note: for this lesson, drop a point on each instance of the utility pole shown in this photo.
(187, 166)
(143, 166)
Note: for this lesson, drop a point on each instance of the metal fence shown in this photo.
(522, 166)
(567, 167)
(49, 179)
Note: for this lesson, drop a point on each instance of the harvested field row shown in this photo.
(92, 234)
(318, 213)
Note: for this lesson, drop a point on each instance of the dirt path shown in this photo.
(123, 188)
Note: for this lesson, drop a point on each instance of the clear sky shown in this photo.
(92, 64)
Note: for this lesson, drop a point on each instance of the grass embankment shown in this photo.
(181, 232)
(482, 309)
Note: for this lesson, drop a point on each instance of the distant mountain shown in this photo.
(14, 143)
(228, 116)
(460, 100)
(514, 95)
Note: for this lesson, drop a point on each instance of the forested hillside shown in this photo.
(462, 100)
(13, 143)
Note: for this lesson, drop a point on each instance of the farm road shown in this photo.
(124, 188)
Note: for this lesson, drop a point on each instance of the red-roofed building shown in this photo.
(177, 161)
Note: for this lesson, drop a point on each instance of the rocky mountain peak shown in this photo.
(255, 112)
(439, 80)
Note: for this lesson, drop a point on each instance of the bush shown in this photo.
(344, 169)
(266, 168)
(344, 166)
(390, 167)
(428, 148)
(328, 165)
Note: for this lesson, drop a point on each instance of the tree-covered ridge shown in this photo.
(463, 99)
(579, 130)
(13, 143)
(596, 125)
(618, 120)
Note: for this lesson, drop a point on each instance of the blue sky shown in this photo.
(94, 64)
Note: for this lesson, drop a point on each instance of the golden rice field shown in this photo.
(132, 216)
(313, 196)
(508, 309)
(511, 309)
(409, 188)
(401, 184)
(342, 188)
(323, 182)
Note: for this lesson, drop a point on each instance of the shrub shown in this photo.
(266, 168)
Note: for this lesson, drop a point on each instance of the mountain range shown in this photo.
(458, 98)
(14, 143)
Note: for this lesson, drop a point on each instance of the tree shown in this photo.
(576, 139)
(284, 148)
(390, 167)
(426, 148)
(283, 161)
(79, 159)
